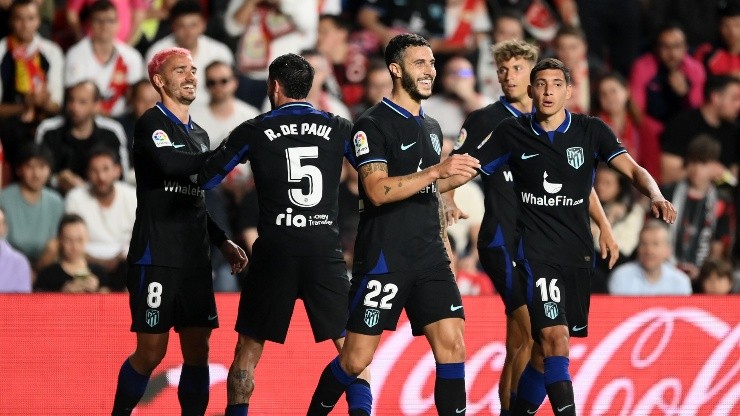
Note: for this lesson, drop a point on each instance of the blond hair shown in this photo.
(509, 49)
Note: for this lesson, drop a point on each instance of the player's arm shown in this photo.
(607, 243)
(645, 183)
(233, 151)
(153, 141)
(382, 189)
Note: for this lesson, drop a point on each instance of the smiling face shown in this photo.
(549, 91)
(417, 73)
(177, 79)
(514, 78)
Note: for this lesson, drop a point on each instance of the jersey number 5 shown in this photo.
(296, 173)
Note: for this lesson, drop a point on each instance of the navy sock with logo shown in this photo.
(193, 389)
(531, 392)
(241, 409)
(130, 389)
(559, 386)
(359, 398)
(332, 383)
(449, 389)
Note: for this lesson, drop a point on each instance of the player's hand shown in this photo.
(663, 209)
(464, 165)
(609, 247)
(234, 254)
(454, 214)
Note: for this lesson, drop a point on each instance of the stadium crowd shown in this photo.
(664, 75)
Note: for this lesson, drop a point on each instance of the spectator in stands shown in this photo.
(386, 19)
(457, 98)
(112, 64)
(72, 273)
(347, 59)
(108, 207)
(717, 117)
(31, 209)
(625, 215)
(31, 69)
(142, 96)
(571, 47)
(71, 136)
(15, 270)
(188, 26)
(639, 135)
(715, 278)
(130, 15)
(651, 274)
(268, 29)
(613, 31)
(378, 84)
(507, 25)
(723, 57)
(703, 227)
(318, 96)
(224, 111)
(667, 80)
(699, 19)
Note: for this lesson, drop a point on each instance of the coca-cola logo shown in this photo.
(661, 361)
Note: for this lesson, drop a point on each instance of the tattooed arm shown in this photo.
(382, 189)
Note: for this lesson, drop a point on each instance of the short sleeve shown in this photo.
(494, 152)
(368, 142)
(608, 145)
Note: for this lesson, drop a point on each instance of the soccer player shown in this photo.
(400, 260)
(497, 237)
(169, 276)
(552, 155)
(296, 154)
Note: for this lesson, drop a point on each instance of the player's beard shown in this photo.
(409, 85)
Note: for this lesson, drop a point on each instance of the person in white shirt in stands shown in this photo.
(100, 57)
(224, 111)
(188, 26)
(108, 207)
(651, 274)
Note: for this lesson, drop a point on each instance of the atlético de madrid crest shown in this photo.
(435, 143)
(575, 156)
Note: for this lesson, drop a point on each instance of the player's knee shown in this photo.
(147, 360)
(555, 341)
(355, 364)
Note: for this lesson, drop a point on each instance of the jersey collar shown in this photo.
(295, 104)
(537, 129)
(400, 110)
(511, 108)
(166, 111)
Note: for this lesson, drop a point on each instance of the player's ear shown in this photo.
(529, 91)
(157, 81)
(568, 91)
(395, 70)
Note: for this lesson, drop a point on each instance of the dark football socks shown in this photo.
(130, 389)
(359, 398)
(332, 383)
(531, 393)
(559, 386)
(193, 389)
(237, 409)
(449, 389)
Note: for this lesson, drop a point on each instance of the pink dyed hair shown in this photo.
(157, 62)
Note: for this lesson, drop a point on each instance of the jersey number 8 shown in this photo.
(296, 173)
(154, 294)
(375, 288)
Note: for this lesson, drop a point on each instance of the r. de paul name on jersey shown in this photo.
(314, 129)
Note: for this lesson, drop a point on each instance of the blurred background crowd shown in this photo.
(663, 74)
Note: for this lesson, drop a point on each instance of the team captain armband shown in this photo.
(161, 139)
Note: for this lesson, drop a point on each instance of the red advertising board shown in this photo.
(679, 356)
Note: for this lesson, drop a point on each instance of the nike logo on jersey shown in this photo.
(212, 317)
(325, 406)
(526, 156)
(458, 411)
(453, 308)
(177, 146)
(579, 328)
(407, 146)
(529, 412)
(560, 409)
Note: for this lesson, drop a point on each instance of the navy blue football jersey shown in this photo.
(172, 226)
(498, 227)
(554, 174)
(296, 154)
(402, 235)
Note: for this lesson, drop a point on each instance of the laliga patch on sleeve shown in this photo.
(360, 142)
(161, 139)
(461, 139)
